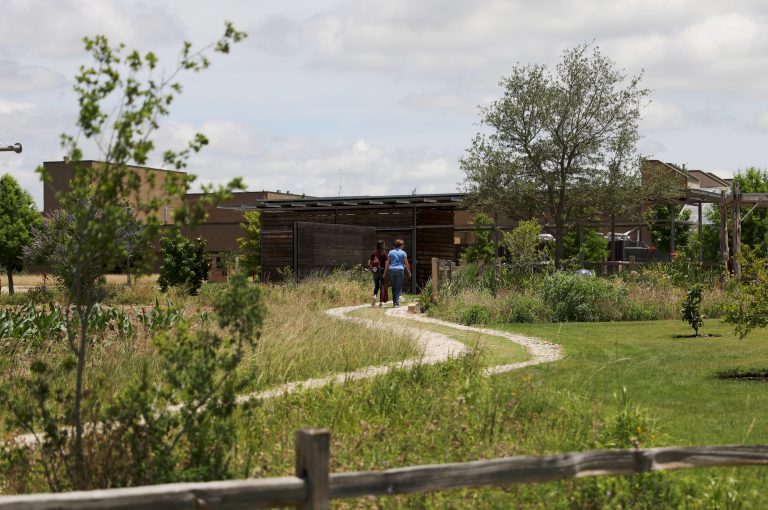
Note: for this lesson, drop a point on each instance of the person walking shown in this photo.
(377, 263)
(397, 267)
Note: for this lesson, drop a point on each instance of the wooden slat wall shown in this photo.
(277, 234)
(323, 247)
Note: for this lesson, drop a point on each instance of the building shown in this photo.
(221, 229)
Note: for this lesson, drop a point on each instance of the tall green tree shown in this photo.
(18, 216)
(754, 227)
(554, 137)
(250, 244)
(122, 97)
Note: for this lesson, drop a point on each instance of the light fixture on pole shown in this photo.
(11, 148)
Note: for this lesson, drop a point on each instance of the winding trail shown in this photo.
(435, 348)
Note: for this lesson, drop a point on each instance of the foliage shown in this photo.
(582, 299)
(250, 243)
(658, 218)
(18, 216)
(754, 227)
(557, 137)
(482, 250)
(185, 263)
(691, 312)
(522, 245)
(748, 308)
(594, 247)
(173, 425)
(121, 101)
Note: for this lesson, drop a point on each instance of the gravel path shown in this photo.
(435, 348)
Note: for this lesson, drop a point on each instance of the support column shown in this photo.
(723, 230)
(414, 259)
(736, 229)
(581, 244)
(701, 235)
(671, 210)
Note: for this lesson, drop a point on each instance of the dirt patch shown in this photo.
(755, 375)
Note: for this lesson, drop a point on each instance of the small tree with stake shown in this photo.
(691, 311)
(122, 98)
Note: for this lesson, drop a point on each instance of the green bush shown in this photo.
(476, 314)
(583, 299)
(524, 308)
(185, 263)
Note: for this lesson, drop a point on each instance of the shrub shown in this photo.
(185, 263)
(524, 308)
(582, 299)
(476, 314)
(691, 305)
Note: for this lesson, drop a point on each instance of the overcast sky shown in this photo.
(381, 96)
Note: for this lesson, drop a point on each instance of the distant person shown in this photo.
(397, 267)
(377, 263)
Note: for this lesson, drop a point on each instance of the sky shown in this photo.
(381, 96)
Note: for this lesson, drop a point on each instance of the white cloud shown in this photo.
(761, 122)
(659, 115)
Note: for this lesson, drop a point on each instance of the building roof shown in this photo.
(452, 200)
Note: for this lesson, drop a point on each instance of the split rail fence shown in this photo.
(314, 486)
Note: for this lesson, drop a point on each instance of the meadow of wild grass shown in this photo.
(620, 384)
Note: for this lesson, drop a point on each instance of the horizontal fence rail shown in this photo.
(313, 486)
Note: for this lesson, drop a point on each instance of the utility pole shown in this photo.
(11, 148)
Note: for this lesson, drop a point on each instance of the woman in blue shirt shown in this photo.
(397, 267)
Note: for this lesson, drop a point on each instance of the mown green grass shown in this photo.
(620, 384)
(497, 350)
(675, 378)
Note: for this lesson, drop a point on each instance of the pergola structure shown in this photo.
(336, 226)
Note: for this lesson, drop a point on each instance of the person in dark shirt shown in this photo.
(377, 262)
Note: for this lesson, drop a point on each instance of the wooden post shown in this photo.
(312, 465)
(736, 229)
(723, 231)
(631, 262)
(415, 258)
(435, 278)
(496, 245)
(701, 235)
(581, 244)
(671, 230)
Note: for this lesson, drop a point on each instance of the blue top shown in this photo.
(397, 259)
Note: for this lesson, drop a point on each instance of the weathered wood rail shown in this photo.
(313, 486)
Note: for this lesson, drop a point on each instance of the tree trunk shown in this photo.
(80, 469)
(559, 243)
(10, 281)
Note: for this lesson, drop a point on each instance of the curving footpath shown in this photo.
(435, 347)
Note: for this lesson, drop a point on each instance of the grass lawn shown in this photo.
(675, 378)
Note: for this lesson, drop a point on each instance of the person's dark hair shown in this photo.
(379, 245)
(399, 243)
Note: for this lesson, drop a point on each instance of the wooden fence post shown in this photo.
(435, 278)
(312, 464)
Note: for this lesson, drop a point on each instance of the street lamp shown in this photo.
(11, 148)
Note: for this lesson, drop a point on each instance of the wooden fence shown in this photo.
(314, 486)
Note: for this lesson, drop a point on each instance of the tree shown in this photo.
(594, 246)
(185, 263)
(250, 243)
(522, 244)
(690, 307)
(556, 137)
(481, 250)
(18, 216)
(122, 98)
(658, 218)
(754, 227)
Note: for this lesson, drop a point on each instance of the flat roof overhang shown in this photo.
(452, 201)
